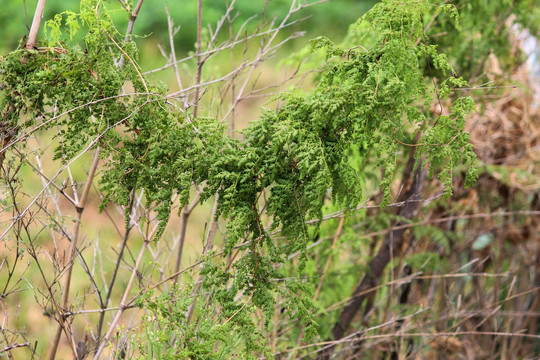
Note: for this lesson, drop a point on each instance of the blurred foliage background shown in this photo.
(330, 18)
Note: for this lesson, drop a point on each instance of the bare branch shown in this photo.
(38, 15)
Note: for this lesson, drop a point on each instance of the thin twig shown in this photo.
(200, 60)
(323, 276)
(207, 247)
(127, 230)
(184, 217)
(172, 33)
(14, 346)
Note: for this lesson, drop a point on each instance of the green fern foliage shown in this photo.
(369, 93)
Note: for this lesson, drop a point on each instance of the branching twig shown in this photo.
(72, 253)
(129, 30)
(124, 303)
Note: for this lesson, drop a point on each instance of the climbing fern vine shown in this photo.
(371, 95)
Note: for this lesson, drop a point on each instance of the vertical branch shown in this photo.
(200, 60)
(72, 252)
(128, 228)
(323, 276)
(131, 22)
(124, 302)
(327, 265)
(233, 85)
(8, 174)
(116, 268)
(172, 33)
(184, 217)
(38, 15)
(207, 247)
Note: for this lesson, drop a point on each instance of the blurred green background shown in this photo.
(330, 18)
